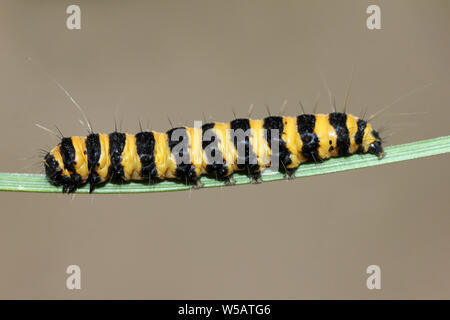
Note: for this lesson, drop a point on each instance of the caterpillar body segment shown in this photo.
(214, 149)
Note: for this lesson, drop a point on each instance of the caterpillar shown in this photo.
(213, 149)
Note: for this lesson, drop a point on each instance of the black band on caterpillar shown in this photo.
(68, 153)
(116, 145)
(360, 135)
(305, 127)
(180, 144)
(240, 134)
(284, 156)
(339, 123)
(145, 146)
(214, 168)
(93, 149)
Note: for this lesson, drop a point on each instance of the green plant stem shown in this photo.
(24, 182)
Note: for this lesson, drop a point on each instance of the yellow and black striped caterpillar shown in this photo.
(213, 149)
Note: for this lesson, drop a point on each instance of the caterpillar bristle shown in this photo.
(403, 96)
(59, 136)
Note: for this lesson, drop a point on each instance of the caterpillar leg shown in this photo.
(94, 180)
(289, 174)
(229, 180)
(255, 178)
(71, 184)
(197, 184)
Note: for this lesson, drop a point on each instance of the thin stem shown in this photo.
(24, 182)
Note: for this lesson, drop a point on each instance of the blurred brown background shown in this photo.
(308, 238)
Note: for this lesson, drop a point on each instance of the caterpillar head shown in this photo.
(374, 143)
(57, 173)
